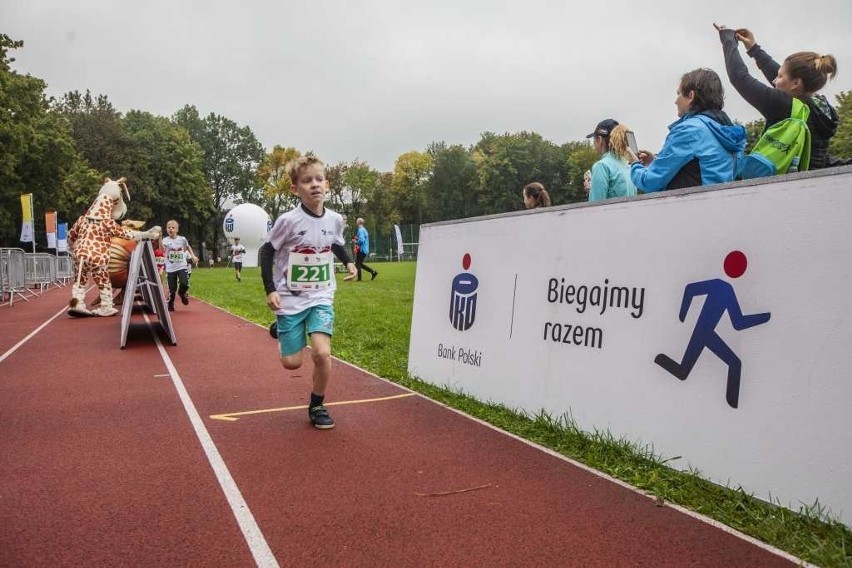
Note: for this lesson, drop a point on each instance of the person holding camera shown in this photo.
(801, 76)
(703, 146)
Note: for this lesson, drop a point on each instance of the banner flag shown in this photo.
(399, 248)
(50, 228)
(27, 224)
(62, 237)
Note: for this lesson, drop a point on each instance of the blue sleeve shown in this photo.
(361, 235)
(600, 182)
(678, 150)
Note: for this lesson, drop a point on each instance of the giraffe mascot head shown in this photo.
(90, 242)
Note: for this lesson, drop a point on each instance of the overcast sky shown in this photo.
(372, 80)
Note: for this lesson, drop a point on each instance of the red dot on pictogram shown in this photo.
(466, 261)
(735, 264)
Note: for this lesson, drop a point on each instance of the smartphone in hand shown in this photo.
(631, 142)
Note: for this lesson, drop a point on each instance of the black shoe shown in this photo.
(273, 330)
(184, 299)
(320, 418)
(373, 276)
(171, 307)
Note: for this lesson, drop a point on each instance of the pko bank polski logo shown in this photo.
(229, 223)
(463, 298)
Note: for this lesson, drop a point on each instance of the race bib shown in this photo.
(176, 256)
(309, 271)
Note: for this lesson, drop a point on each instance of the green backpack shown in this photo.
(784, 147)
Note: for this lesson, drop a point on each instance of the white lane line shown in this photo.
(251, 532)
(31, 335)
(697, 516)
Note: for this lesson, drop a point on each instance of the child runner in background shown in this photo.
(175, 248)
(297, 268)
(188, 270)
(160, 258)
(237, 252)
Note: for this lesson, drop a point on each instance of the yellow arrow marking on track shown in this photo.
(234, 416)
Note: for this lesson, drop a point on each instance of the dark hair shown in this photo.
(705, 83)
(812, 68)
(538, 194)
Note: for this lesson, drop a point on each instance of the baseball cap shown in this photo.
(603, 128)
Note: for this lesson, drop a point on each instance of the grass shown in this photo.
(372, 329)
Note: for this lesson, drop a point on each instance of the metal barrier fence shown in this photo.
(41, 270)
(22, 273)
(64, 269)
(13, 275)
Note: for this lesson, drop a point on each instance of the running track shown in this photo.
(113, 457)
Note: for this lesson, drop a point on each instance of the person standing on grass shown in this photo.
(363, 242)
(176, 248)
(297, 269)
(237, 252)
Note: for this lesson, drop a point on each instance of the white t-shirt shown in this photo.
(176, 251)
(237, 252)
(298, 229)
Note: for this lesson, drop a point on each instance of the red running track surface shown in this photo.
(100, 464)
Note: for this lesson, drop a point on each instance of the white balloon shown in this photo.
(250, 224)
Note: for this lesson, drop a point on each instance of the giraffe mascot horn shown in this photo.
(90, 241)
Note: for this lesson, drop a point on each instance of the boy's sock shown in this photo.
(316, 400)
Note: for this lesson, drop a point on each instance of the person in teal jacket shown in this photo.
(611, 174)
(703, 146)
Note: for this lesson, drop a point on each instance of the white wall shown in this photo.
(791, 434)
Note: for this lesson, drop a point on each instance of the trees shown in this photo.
(274, 181)
(754, 130)
(506, 163)
(231, 157)
(410, 174)
(97, 130)
(164, 168)
(581, 157)
(38, 154)
(841, 144)
(452, 187)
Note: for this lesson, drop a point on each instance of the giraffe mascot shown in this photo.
(90, 241)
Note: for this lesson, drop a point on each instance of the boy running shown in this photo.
(297, 268)
(237, 252)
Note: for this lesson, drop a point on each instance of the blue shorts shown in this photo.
(293, 329)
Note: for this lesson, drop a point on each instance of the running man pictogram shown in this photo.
(720, 298)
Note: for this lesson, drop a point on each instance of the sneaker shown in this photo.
(273, 330)
(320, 418)
(373, 276)
(184, 299)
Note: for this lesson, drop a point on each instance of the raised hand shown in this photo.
(746, 37)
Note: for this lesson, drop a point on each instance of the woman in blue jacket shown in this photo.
(703, 146)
